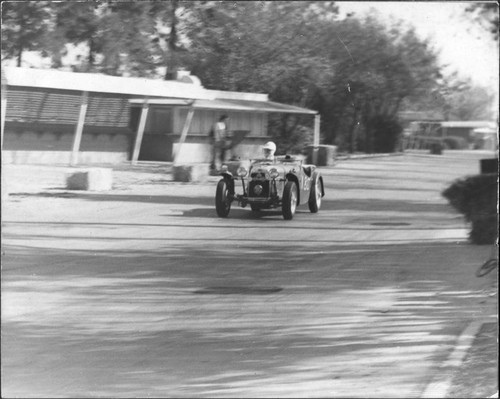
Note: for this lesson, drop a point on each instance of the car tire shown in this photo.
(290, 197)
(315, 196)
(222, 202)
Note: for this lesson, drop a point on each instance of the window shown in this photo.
(159, 121)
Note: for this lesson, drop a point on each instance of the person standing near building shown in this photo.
(219, 135)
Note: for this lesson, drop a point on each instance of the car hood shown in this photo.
(265, 167)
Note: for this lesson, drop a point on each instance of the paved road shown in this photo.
(143, 291)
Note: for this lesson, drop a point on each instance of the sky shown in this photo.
(463, 45)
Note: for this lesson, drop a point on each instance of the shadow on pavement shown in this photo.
(209, 213)
(154, 199)
(374, 205)
(95, 303)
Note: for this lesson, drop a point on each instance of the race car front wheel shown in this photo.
(315, 196)
(289, 200)
(222, 201)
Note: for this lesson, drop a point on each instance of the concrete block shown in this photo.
(326, 154)
(95, 179)
(191, 172)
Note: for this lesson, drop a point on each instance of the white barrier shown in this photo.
(95, 179)
(191, 173)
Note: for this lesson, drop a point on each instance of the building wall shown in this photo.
(255, 123)
(29, 143)
(40, 127)
(464, 132)
(165, 124)
(194, 151)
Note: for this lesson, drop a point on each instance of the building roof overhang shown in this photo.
(157, 92)
(467, 124)
(229, 105)
(93, 82)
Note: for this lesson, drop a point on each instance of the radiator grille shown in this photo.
(265, 189)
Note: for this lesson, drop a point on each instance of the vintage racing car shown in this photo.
(282, 182)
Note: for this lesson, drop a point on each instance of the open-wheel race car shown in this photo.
(281, 182)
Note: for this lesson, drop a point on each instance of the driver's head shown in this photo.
(269, 149)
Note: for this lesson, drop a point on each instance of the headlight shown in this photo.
(242, 172)
(274, 173)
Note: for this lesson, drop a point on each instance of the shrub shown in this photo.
(455, 143)
(476, 198)
(290, 135)
(387, 132)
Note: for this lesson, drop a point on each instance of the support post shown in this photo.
(185, 130)
(79, 128)
(3, 94)
(317, 121)
(4, 112)
(140, 131)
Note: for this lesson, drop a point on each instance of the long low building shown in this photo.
(51, 116)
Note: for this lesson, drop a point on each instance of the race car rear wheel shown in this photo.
(289, 200)
(222, 201)
(315, 196)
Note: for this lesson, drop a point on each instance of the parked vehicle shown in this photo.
(282, 182)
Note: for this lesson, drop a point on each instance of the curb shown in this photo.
(440, 385)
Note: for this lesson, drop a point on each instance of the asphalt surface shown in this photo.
(143, 292)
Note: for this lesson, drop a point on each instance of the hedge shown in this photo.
(476, 197)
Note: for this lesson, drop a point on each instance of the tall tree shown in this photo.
(79, 23)
(486, 15)
(127, 40)
(24, 25)
(469, 101)
(375, 70)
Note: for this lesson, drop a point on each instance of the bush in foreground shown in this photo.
(476, 198)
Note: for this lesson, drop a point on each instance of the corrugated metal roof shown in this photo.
(468, 124)
(173, 92)
(47, 107)
(160, 101)
(259, 106)
(421, 116)
(485, 130)
(238, 95)
(106, 110)
(55, 79)
(232, 105)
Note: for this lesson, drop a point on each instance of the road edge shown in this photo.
(440, 385)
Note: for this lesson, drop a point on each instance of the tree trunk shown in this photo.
(19, 56)
(91, 57)
(352, 133)
(171, 59)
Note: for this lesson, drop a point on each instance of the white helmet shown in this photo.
(268, 149)
(269, 146)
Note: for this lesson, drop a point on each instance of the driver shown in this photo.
(269, 149)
